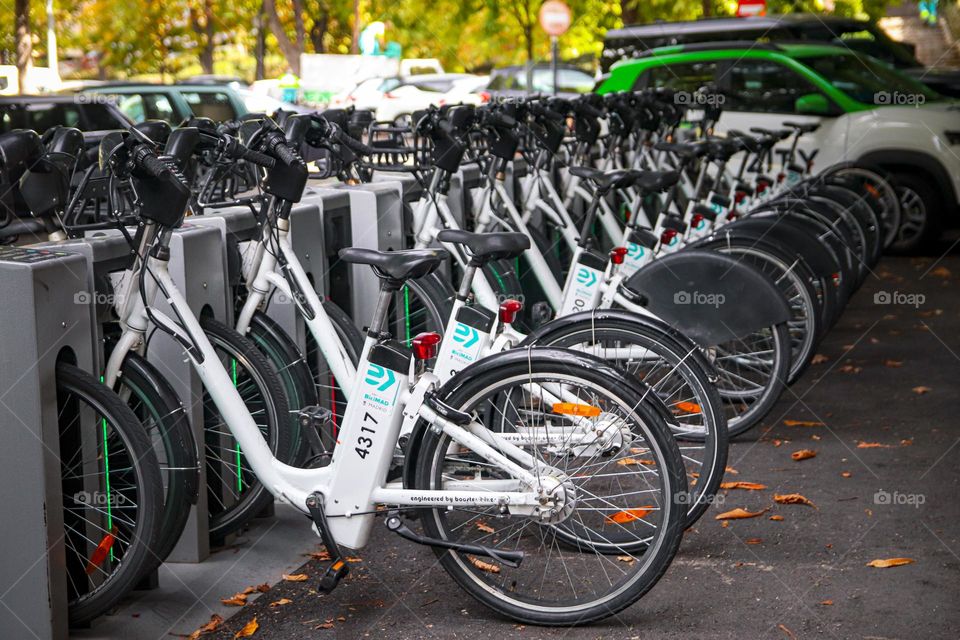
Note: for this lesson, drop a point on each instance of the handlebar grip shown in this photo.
(501, 120)
(283, 152)
(256, 157)
(149, 162)
(352, 143)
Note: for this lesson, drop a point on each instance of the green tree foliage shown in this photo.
(179, 37)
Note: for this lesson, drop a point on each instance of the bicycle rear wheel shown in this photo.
(618, 506)
(112, 494)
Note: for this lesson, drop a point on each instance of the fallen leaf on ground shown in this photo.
(483, 526)
(921, 390)
(941, 272)
(628, 515)
(776, 518)
(489, 567)
(883, 563)
(777, 442)
(210, 627)
(845, 474)
(738, 514)
(906, 443)
(739, 484)
(849, 368)
(819, 359)
(353, 559)
(754, 540)
(280, 603)
(325, 625)
(237, 600)
(803, 454)
(827, 603)
(320, 555)
(263, 588)
(732, 470)
(628, 461)
(786, 631)
(248, 629)
(893, 364)
(792, 498)
(872, 445)
(296, 577)
(627, 559)
(802, 423)
(815, 437)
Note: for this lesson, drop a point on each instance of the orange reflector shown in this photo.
(101, 552)
(623, 517)
(686, 407)
(572, 409)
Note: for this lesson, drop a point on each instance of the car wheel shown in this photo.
(921, 212)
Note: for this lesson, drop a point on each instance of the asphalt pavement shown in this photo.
(881, 411)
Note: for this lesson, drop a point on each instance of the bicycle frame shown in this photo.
(354, 482)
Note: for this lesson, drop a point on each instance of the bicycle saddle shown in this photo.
(488, 246)
(782, 134)
(722, 149)
(396, 266)
(803, 127)
(686, 150)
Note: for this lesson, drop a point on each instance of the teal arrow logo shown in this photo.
(377, 375)
(465, 335)
(586, 276)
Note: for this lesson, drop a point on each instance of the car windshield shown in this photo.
(869, 81)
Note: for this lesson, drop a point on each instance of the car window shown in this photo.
(568, 81)
(39, 116)
(763, 86)
(870, 81)
(435, 86)
(682, 77)
(499, 82)
(146, 106)
(100, 117)
(4, 82)
(210, 104)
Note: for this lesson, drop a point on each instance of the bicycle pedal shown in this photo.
(333, 575)
(338, 568)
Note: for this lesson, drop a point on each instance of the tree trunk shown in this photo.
(319, 30)
(205, 32)
(355, 40)
(24, 45)
(707, 8)
(628, 12)
(287, 48)
(261, 47)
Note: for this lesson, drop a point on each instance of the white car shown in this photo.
(396, 98)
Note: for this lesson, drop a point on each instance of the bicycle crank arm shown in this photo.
(508, 558)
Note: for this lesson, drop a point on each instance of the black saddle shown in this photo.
(395, 267)
(685, 150)
(802, 127)
(485, 247)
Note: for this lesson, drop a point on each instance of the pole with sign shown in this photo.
(555, 19)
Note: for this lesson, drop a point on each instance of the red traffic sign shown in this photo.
(555, 17)
(746, 8)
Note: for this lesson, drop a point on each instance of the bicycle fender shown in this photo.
(711, 297)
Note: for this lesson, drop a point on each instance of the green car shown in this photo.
(868, 113)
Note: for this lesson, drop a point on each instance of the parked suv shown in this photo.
(523, 80)
(868, 112)
(173, 103)
(42, 112)
(862, 36)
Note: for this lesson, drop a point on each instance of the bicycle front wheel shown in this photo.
(112, 494)
(617, 496)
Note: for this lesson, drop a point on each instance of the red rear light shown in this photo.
(509, 310)
(696, 220)
(739, 196)
(781, 177)
(484, 96)
(667, 236)
(425, 345)
(617, 255)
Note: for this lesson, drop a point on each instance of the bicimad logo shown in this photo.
(586, 276)
(465, 335)
(634, 250)
(380, 377)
